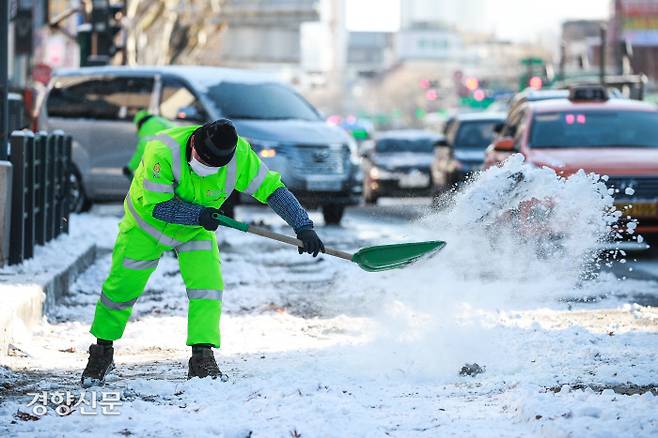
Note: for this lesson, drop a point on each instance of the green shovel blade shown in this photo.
(383, 257)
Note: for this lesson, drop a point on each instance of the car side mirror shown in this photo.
(505, 144)
(189, 113)
(499, 127)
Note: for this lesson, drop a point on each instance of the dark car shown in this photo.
(462, 150)
(397, 164)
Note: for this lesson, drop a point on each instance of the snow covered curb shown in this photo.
(27, 294)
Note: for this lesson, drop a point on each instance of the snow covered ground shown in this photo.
(316, 347)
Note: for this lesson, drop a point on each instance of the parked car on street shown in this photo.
(397, 163)
(461, 152)
(318, 162)
(590, 131)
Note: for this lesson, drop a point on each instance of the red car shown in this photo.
(589, 131)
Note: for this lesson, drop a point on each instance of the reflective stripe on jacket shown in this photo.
(164, 173)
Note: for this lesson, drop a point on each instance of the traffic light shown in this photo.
(535, 83)
(97, 38)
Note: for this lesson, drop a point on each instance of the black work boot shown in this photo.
(99, 364)
(202, 364)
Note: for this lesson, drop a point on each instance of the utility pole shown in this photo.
(563, 59)
(4, 77)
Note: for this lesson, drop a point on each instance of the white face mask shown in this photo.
(201, 169)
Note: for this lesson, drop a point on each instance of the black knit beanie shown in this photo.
(215, 142)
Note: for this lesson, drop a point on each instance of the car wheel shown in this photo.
(79, 200)
(332, 213)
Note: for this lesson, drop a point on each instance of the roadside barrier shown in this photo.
(40, 195)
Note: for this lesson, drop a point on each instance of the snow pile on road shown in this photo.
(520, 222)
(518, 237)
(568, 410)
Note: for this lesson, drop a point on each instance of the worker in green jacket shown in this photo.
(147, 125)
(184, 177)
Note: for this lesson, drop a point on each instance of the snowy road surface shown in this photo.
(316, 347)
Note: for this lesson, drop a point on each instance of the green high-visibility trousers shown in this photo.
(135, 257)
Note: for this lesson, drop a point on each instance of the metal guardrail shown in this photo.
(40, 199)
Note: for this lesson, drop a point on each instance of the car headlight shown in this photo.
(267, 153)
(264, 149)
(379, 173)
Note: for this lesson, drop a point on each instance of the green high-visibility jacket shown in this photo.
(165, 172)
(151, 127)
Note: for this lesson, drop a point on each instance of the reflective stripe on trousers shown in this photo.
(205, 294)
(140, 264)
(116, 305)
(195, 245)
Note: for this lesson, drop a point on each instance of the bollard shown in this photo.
(5, 210)
(39, 189)
(50, 188)
(59, 180)
(68, 168)
(28, 212)
(18, 141)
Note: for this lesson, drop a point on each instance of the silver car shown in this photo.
(96, 106)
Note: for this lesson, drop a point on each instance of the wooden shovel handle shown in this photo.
(295, 242)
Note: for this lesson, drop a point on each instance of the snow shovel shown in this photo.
(372, 258)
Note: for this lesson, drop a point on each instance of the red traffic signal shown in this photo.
(535, 83)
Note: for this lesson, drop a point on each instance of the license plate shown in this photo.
(324, 185)
(639, 209)
(414, 180)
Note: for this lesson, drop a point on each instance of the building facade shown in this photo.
(635, 22)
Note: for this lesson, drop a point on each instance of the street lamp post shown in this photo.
(4, 80)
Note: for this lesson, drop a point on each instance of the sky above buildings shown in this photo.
(517, 20)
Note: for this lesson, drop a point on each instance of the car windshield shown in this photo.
(260, 101)
(477, 134)
(391, 145)
(584, 129)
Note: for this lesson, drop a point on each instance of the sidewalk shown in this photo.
(30, 290)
